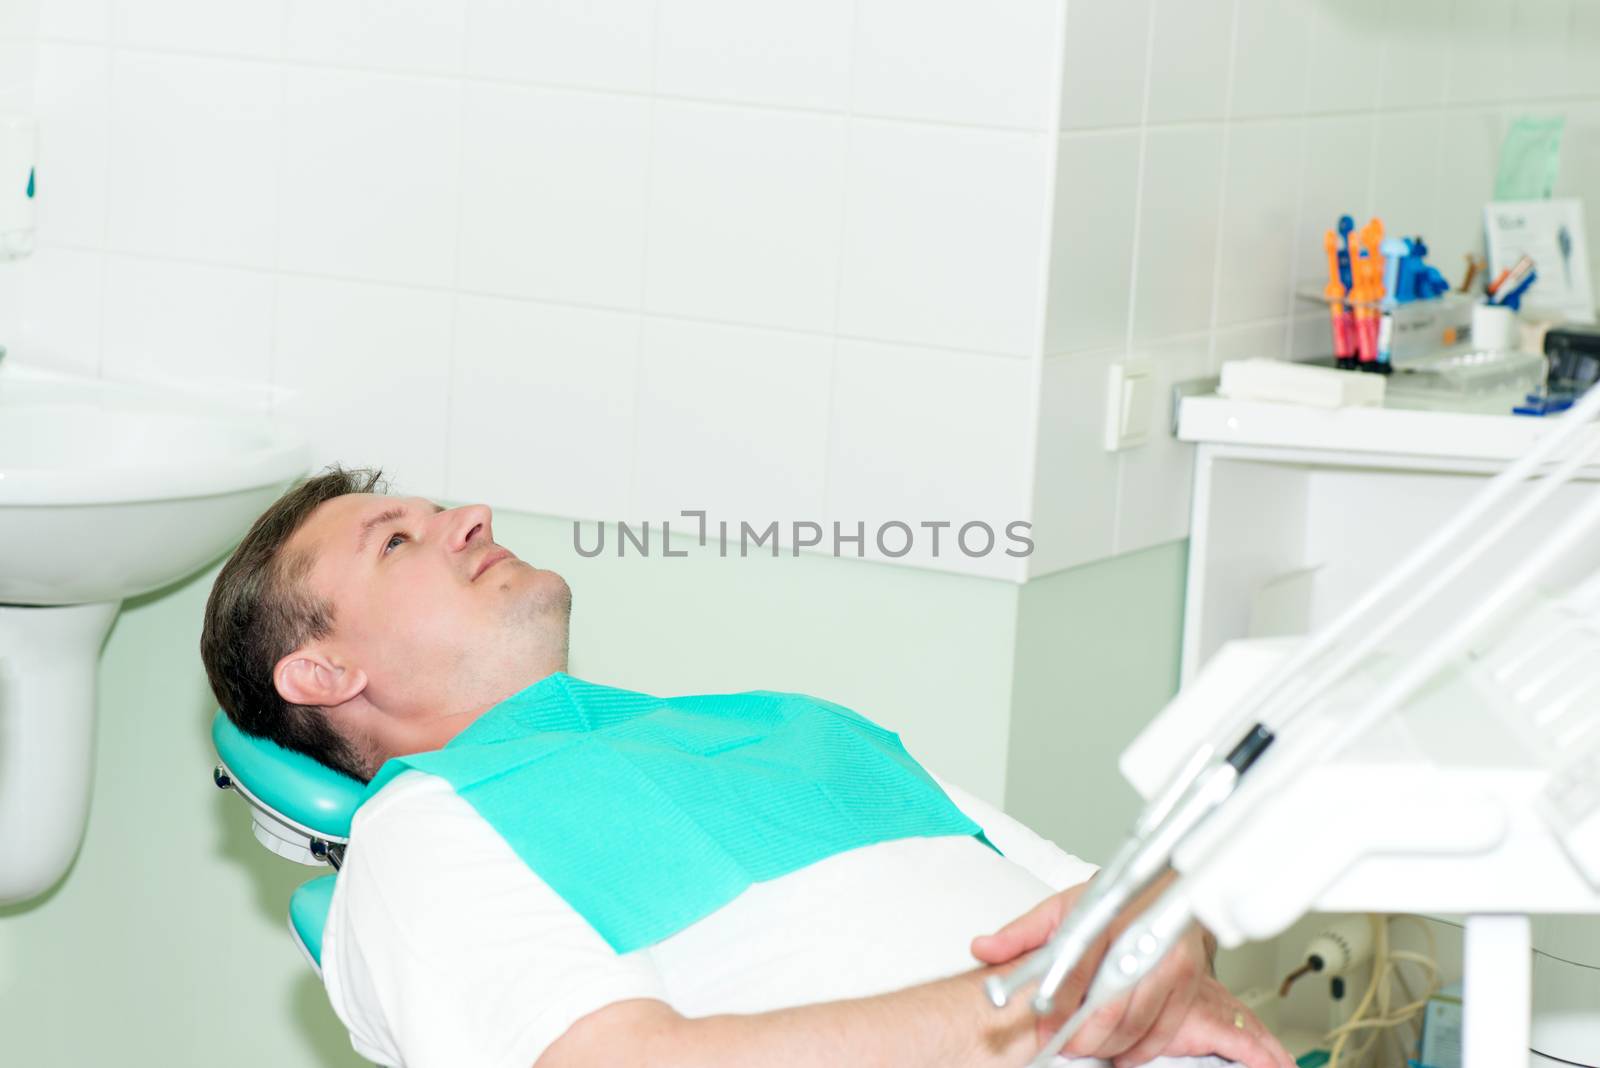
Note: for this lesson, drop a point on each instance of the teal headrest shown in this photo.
(293, 785)
(308, 915)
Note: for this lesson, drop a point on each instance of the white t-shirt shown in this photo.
(444, 950)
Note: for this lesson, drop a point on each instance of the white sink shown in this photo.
(108, 490)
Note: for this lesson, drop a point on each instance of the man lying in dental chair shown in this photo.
(551, 871)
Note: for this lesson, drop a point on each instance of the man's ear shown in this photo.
(308, 676)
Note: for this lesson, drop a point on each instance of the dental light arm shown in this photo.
(1283, 709)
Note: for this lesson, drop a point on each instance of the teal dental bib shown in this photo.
(648, 813)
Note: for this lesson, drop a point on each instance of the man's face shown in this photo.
(440, 619)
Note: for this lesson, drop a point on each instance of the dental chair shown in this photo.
(299, 809)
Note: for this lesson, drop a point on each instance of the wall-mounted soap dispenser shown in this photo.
(19, 140)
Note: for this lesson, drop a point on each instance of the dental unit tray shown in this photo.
(1338, 773)
(1466, 380)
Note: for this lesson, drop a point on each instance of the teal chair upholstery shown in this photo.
(299, 809)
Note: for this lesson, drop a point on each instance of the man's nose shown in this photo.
(468, 525)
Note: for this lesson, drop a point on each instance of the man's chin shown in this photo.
(545, 593)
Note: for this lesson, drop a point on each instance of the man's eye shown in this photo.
(390, 543)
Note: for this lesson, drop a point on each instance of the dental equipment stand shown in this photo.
(1435, 811)
(1461, 776)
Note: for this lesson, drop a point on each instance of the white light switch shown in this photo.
(1130, 395)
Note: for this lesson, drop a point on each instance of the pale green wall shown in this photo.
(166, 944)
(1097, 658)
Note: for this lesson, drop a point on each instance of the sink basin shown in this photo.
(109, 490)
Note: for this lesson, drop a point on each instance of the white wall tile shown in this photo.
(1469, 156)
(61, 306)
(945, 236)
(1416, 54)
(370, 368)
(1479, 67)
(961, 61)
(186, 322)
(423, 36)
(553, 194)
(13, 281)
(19, 19)
(1155, 479)
(1272, 40)
(194, 158)
(72, 100)
(921, 233)
(542, 407)
(1333, 182)
(1310, 335)
(1091, 248)
(217, 27)
(1584, 77)
(1251, 341)
(921, 435)
(1285, 183)
(370, 176)
(1347, 51)
(1405, 173)
(1075, 483)
(562, 42)
(790, 55)
(18, 62)
(1260, 201)
(732, 420)
(1580, 153)
(75, 20)
(1541, 33)
(1102, 82)
(1188, 80)
(1177, 231)
(744, 215)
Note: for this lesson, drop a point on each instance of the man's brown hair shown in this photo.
(259, 611)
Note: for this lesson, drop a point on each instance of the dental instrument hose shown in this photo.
(1135, 868)
(1131, 957)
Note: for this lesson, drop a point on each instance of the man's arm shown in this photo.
(948, 1022)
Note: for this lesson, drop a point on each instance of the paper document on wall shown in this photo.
(1551, 233)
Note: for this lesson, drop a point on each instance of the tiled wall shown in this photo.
(1205, 146)
(851, 260)
(608, 260)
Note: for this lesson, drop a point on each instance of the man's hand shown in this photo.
(1179, 1009)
